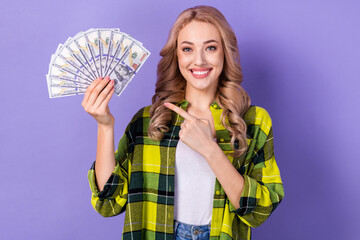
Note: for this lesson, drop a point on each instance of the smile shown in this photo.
(200, 72)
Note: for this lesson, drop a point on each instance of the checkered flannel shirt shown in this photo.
(142, 183)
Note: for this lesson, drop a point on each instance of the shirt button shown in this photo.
(217, 192)
(221, 140)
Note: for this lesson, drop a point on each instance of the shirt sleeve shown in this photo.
(112, 199)
(263, 188)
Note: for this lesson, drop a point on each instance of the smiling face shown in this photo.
(200, 56)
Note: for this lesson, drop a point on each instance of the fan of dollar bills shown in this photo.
(92, 54)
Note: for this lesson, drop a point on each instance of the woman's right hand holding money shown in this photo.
(95, 102)
(96, 99)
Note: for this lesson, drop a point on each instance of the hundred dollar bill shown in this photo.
(59, 62)
(67, 56)
(105, 37)
(72, 52)
(129, 64)
(94, 48)
(92, 39)
(121, 43)
(54, 81)
(65, 91)
(135, 57)
(101, 52)
(79, 44)
(116, 40)
(60, 68)
(55, 72)
(95, 53)
(121, 76)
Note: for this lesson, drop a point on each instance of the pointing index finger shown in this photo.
(178, 110)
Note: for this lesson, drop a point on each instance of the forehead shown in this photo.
(198, 32)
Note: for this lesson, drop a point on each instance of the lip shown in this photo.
(192, 70)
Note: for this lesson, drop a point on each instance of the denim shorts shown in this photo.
(183, 231)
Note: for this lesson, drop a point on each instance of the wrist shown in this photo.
(211, 150)
(106, 127)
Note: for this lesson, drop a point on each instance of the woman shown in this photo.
(200, 133)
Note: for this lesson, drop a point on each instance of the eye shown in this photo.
(211, 48)
(186, 49)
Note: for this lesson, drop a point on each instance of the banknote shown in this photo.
(105, 37)
(79, 45)
(59, 66)
(74, 54)
(65, 91)
(91, 54)
(92, 40)
(135, 57)
(57, 71)
(72, 60)
(120, 43)
(65, 82)
(124, 68)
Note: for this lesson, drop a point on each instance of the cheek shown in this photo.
(220, 59)
(183, 60)
(217, 60)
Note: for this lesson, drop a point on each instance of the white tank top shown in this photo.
(194, 187)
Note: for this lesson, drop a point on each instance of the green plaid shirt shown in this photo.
(142, 182)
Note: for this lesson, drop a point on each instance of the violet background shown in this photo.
(300, 61)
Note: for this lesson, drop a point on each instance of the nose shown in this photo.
(200, 58)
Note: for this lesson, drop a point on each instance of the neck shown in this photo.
(200, 100)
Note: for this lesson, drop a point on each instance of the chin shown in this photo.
(201, 87)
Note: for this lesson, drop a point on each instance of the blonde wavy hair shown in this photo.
(170, 84)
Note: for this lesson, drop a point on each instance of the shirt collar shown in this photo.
(184, 104)
(214, 108)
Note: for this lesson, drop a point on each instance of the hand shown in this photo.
(195, 132)
(96, 99)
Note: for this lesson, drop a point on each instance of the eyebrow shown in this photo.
(206, 42)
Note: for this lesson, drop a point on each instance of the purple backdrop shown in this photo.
(300, 61)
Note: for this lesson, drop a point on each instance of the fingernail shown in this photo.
(107, 78)
(166, 104)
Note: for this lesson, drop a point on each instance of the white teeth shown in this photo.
(200, 73)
